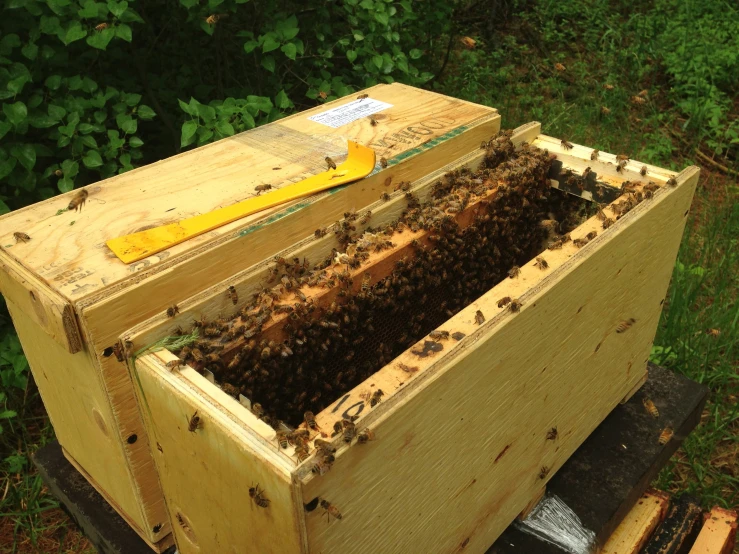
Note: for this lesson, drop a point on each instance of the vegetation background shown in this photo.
(90, 89)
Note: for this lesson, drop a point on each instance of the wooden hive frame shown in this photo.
(464, 443)
(71, 298)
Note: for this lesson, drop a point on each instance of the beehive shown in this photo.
(70, 297)
(473, 420)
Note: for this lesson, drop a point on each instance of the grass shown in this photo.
(609, 55)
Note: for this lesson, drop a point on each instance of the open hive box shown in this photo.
(453, 344)
(71, 298)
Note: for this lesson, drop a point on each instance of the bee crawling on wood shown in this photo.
(504, 301)
(349, 430)
(594, 155)
(515, 305)
(439, 335)
(365, 435)
(407, 368)
(621, 165)
(376, 398)
(21, 237)
(543, 472)
(372, 120)
(194, 423)
(78, 200)
(479, 317)
(338, 428)
(326, 446)
(384, 197)
(665, 436)
(552, 434)
(643, 171)
(514, 272)
(173, 311)
(541, 263)
(566, 144)
(262, 188)
(257, 495)
(607, 222)
(362, 96)
(651, 408)
(625, 325)
(232, 294)
(331, 164)
(580, 242)
(175, 364)
(330, 510)
(321, 232)
(310, 421)
(672, 182)
(383, 163)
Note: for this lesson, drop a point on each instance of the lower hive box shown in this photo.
(410, 378)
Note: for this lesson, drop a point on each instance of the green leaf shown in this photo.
(53, 82)
(270, 43)
(268, 63)
(101, 39)
(92, 159)
(382, 18)
(41, 121)
(204, 135)
(131, 16)
(117, 8)
(206, 113)
(30, 51)
(16, 85)
(367, 4)
(377, 60)
(124, 31)
(4, 128)
(130, 127)
(65, 184)
(6, 166)
(89, 141)
(49, 25)
(3, 207)
(70, 168)
(25, 154)
(89, 10)
(281, 100)
(135, 142)
(191, 108)
(358, 35)
(8, 42)
(56, 112)
(16, 113)
(351, 55)
(145, 112)
(415, 54)
(225, 128)
(189, 3)
(289, 50)
(132, 99)
(250, 45)
(248, 120)
(73, 33)
(189, 128)
(85, 128)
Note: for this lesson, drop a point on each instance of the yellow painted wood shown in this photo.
(638, 525)
(460, 448)
(359, 163)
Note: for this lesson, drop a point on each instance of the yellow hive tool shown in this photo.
(134, 247)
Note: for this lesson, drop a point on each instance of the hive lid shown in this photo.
(67, 251)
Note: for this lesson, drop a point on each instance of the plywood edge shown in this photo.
(213, 300)
(718, 534)
(54, 314)
(636, 529)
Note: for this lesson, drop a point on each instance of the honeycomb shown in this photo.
(476, 227)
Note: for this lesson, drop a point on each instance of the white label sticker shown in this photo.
(350, 112)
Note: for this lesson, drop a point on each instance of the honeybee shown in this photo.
(407, 368)
(310, 421)
(320, 467)
(257, 409)
(594, 155)
(232, 294)
(651, 408)
(591, 235)
(212, 19)
(330, 163)
(566, 145)
(365, 435)
(714, 332)
(321, 232)
(302, 452)
(638, 100)
(281, 437)
(515, 305)
(338, 428)
(362, 96)
(665, 436)
(78, 200)
(607, 222)
(625, 325)
(605, 110)
(514, 272)
(174, 364)
(559, 67)
(330, 510)
(622, 158)
(376, 398)
(118, 351)
(21, 237)
(257, 495)
(552, 434)
(372, 120)
(608, 87)
(543, 472)
(384, 197)
(541, 263)
(439, 335)
(580, 242)
(383, 163)
(365, 217)
(262, 188)
(479, 317)
(504, 301)
(349, 430)
(173, 311)
(587, 171)
(672, 182)
(324, 445)
(101, 26)
(194, 423)
(643, 170)
(621, 165)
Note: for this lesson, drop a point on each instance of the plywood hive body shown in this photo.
(71, 298)
(464, 443)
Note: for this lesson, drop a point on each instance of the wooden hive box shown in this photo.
(70, 297)
(470, 427)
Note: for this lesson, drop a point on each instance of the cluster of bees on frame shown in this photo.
(478, 227)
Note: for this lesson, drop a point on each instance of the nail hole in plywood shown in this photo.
(186, 527)
(108, 352)
(98, 417)
(132, 439)
(312, 505)
(157, 528)
(33, 296)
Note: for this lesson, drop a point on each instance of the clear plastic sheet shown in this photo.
(554, 522)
